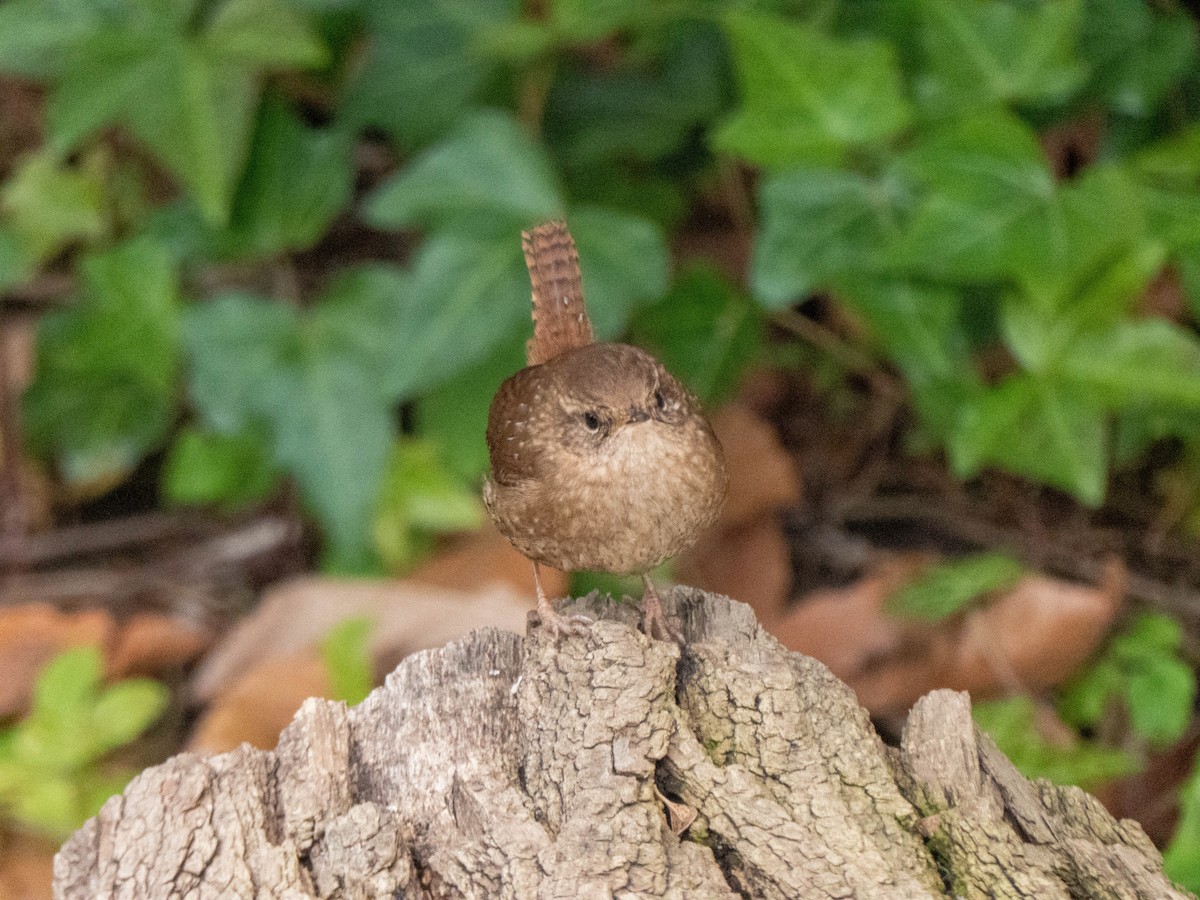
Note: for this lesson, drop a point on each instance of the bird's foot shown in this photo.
(655, 623)
(555, 623)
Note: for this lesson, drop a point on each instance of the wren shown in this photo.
(600, 459)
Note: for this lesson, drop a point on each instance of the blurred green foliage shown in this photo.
(53, 774)
(898, 165)
(901, 173)
(948, 588)
(347, 659)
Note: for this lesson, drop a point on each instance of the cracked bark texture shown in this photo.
(604, 766)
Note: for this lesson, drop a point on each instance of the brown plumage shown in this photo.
(600, 459)
(560, 320)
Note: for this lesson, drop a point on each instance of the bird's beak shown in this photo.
(637, 414)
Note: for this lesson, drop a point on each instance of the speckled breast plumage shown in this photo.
(623, 505)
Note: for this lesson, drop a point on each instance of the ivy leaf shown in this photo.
(988, 202)
(263, 33)
(316, 391)
(951, 586)
(704, 331)
(421, 498)
(488, 167)
(234, 342)
(467, 293)
(104, 394)
(1137, 52)
(297, 179)
(645, 107)
(229, 470)
(1181, 859)
(454, 414)
(48, 205)
(37, 38)
(809, 97)
(624, 261)
(347, 658)
(332, 428)
(1013, 725)
(423, 67)
(192, 114)
(1045, 430)
(1139, 362)
(817, 226)
(990, 52)
(920, 327)
(1142, 666)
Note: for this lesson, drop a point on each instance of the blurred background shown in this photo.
(932, 265)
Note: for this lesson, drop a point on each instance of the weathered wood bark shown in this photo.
(508, 767)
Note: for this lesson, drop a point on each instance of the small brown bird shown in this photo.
(601, 460)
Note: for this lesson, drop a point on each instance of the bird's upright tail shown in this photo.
(560, 320)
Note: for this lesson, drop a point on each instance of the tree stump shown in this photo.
(610, 765)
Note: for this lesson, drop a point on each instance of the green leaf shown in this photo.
(488, 167)
(647, 105)
(297, 179)
(37, 37)
(332, 428)
(421, 498)
(1085, 698)
(704, 331)
(126, 709)
(1093, 259)
(194, 113)
(316, 386)
(817, 225)
(1139, 362)
(1013, 725)
(983, 53)
(264, 33)
(422, 65)
(67, 685)
(454, 414)
(921, 328)
(987, 205)
(808, 97)
(1181, 859)
(467, 293)
(1137, 51)
(104, 393)
(1044, 430)
(48, 205)
(234, 344)
(950, 587)
(625, 264)
(1160, 699)
(348, 659)
(16, 263)
(229, 470)
(1143, 667)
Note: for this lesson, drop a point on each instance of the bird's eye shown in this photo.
(591, 421)
(659, 400)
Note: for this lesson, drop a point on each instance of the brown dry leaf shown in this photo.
(746, 555)
(257, 706)
(26, 867)
(31, 634)
(407, 616)
(150, 643)
(1033, 636)
(485, 557)
(762, 475)
(751, 564)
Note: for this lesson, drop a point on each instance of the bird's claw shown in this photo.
(656, 625)
(559, 626)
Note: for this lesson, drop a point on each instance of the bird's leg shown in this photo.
(654, 621)
(554, 622)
